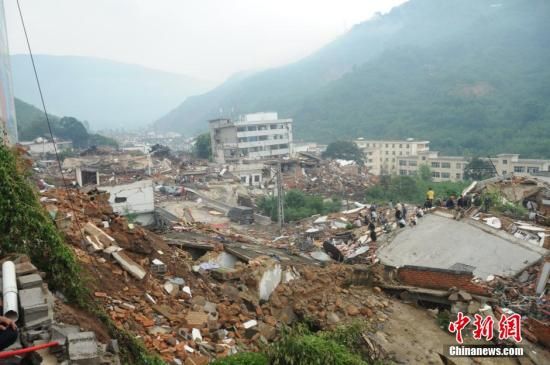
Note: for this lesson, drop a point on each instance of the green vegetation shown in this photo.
(344, 150)
(478, 169)
(299, 205)
(244, 358)
(411, 189)
(300, 346)
(31, 124)
(203, 148)
(501, 205)
(470, 77)
(26, 228)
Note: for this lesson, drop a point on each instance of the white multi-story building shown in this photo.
(382, 155)
(506, 163)
(443, 168)
(251, 136)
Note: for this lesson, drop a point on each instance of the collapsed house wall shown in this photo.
(432, 278)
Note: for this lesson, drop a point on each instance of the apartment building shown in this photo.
(506, 163)
(443, 168)
(382, 156)
(251, 136)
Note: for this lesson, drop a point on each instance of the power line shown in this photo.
(67, 190)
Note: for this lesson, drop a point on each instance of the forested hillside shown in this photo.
(472, 76)
(31, 124)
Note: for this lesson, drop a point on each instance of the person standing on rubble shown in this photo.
(372, 229)
(8, 332)
(430, 195)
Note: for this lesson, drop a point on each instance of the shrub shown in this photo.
(310, 349)
(243, 358)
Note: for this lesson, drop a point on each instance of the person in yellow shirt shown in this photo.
(430, 194)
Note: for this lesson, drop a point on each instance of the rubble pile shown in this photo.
(525, 294)
(329, 179)
(199, 294)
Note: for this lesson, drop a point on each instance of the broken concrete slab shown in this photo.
(129, 265)
(98, 233)
(439, 242)
(82, 348)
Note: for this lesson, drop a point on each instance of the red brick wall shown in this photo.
(426, 277)
(541, 330)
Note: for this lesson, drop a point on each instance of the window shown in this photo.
(281, 126)
(402, 163)
(273, 126)
(283, 146)
(458, 165)
(368, 144)
(412, 163)
(243, 179)
(262, 128)
(407, 145)
(393, 153)
(387, 145)
(435, 164)
(505, 162)
(532, 170)
(402, 172)
(400, 153)
(393, 145)
(435, 174)
(251, 128)
(370, 160)
(445, 175)
(387, 159)
(458, 177)
(446, 165)
(504, 172)
(242, 139)
(400, 145)
(253, 139)
(241, 129)
(263, 138)
(256, 178)
(120, 199)
(519, 168)
(423, 158)
(387, 152)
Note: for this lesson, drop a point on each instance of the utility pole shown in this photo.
(280, 198)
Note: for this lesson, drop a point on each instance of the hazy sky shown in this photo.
(209, 39)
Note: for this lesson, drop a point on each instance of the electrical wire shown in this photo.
(67, 190)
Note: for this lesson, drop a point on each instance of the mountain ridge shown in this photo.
(388, 58)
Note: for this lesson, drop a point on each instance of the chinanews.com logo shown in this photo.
(508, 328)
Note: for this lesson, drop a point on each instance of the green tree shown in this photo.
(478, 169)
(203, 148)
(344, 150)
(72, 129)
(424, 172)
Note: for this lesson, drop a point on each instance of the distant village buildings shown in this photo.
(404, 157)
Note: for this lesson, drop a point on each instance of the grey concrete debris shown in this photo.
(29, 281)
(82, 348)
